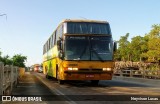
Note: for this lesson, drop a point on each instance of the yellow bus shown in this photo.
(79, 50)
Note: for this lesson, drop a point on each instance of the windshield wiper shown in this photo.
(97, 55)
(84, 50)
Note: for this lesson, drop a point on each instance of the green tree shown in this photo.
(0, 56)
(153, 53)
(6, 60)
(135, 46)
(144, 48)
(138, 46)
(117, 55)
(123, 51)
(19, 60)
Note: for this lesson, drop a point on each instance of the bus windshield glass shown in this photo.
(88, 48)
(88, 28)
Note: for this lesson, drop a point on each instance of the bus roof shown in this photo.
(83, 20)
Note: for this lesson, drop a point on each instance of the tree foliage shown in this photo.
(140, 48)
(6, 60)
(153, 53)
(16, 60)
(0, 53)
(135, 46)
(123, 48)
(19, 60)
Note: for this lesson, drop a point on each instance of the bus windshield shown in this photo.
(88, 28)
(88, 48)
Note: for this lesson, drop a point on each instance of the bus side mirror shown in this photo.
(60, 55)
(59, 44)
(115, 46)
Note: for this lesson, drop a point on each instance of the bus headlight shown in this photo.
(72, 68)
(107, 69)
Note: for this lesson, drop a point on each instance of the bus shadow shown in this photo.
(82, 84)
(113, 83)
(103, 84)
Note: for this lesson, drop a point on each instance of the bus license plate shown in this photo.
(90, 76)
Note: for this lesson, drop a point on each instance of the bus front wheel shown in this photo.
(58, 77)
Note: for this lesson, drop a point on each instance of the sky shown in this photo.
(29, 23)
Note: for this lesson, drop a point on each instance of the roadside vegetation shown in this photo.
(16, 60)
(141, 48)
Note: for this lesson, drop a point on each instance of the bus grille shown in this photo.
(91, 70)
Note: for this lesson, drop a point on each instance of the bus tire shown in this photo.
(48, 77)
(94, 82)
(58, 77)
(56, 71)
(60, 81)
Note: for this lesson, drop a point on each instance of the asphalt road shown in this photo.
(83, 92)
(112, 92)
(35, 91)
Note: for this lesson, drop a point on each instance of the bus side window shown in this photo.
(51, 40)
(55, 35)
(43, 49)
(59, 33)
(50, 43)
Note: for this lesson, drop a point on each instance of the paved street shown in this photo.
(29, 85)
(34, 84)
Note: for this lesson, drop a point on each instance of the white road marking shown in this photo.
(57, 92)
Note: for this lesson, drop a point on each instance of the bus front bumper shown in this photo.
(88, 75)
